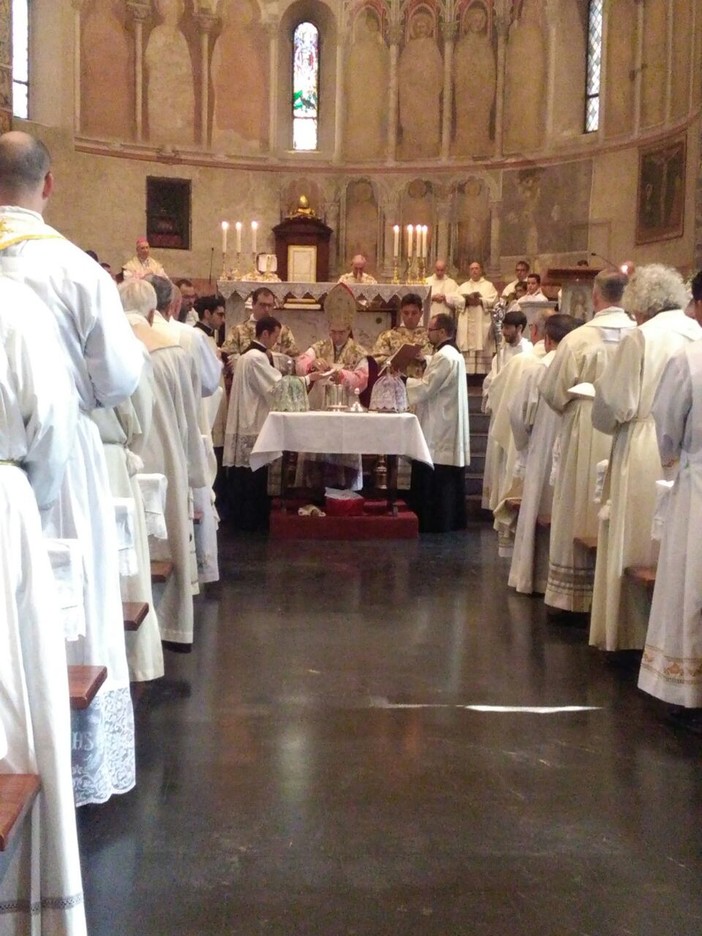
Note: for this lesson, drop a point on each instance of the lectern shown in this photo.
(312, 237)
(576, 289)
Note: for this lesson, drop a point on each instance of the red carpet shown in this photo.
(375, 523)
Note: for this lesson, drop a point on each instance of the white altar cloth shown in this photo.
(340, 433)
(365, 291)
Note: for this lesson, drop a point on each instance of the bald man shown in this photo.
(444, 292)
(357, 276)
(105, 362)
(142, 264)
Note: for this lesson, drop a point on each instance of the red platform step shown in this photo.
(375, 523)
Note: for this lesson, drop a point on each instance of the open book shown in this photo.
(404, 355)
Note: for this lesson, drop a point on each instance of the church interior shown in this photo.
(377, 736)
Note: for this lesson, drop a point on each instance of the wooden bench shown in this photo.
(161, 571)
(83, 684)
(642, 575)
(17, 793)
(134, 614)
(543, 522)
(588, 543)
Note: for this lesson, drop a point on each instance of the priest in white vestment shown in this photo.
(671, 666)
(440, 398)
(174, 449)
(514, 342)
(474, 333)
(255, 378)
(142, 263)
(535, 427)
(207, 374)
(357, 276)
(124, 430)
(521, 272)
(105, 361)
(445, 296)
(657, 297)
(567, 388)
(40, 888)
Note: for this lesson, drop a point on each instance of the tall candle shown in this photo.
(418, 229)
(410, 231)
(254, 228)
(396, 241)
(425, 230)
(238, 236)
(225, 228)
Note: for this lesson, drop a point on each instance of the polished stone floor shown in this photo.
(316, 765)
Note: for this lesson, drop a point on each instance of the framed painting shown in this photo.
(661, 192)
(168, 213)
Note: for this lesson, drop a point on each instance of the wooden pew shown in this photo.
(588, 543)
(642, 575)
(161, 571)
(134, 614)
(83, 684)
(17, 793)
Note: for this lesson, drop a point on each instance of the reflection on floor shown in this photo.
(287, 784)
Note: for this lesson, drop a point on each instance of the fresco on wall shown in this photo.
(239, 71)
(471, 214)
(654, 62)
(420, 81)
(367, 67)
(107, 72)
(474, 81)
(620, 54)
(546, 209)
(525, 80)
(170, 97)
(362, 223)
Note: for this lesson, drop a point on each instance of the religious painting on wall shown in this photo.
(168, 213)
(546, 209)
(661, 192)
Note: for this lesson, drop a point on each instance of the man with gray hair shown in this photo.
(174, 449)
(657, 298)
(357, 276)
(567, 387)
(105, 362)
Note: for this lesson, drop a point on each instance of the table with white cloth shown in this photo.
(343, 433)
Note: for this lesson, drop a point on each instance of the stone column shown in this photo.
(494, 258)
(551, 17)
(394, 36)
(440, 246)
(339, 103)
(78, 6)
(449, 30)
(271, 27)
(206, 21)
(502, 23)
(140, 11)
(638, 64)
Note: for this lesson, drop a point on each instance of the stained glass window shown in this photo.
(594, 66)
(20, 58)
(305, 104)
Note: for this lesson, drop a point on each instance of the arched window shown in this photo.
(305, 85)
(594, 66)
(20, 58)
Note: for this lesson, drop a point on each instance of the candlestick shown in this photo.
(238, 236)
(410, 231)
(225, 228)
(254, 229)
(396, 241)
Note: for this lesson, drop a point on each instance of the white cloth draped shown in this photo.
(581, 357)
(66, 558)
(153, 489)
(671, 667)
(622, 408)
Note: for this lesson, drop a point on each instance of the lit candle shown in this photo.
(238, 236)
(254, 228)
(410, 231)
(418, 229)
(225, 228)
(396, 241)
(425, 231)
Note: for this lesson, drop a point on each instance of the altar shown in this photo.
(301, 306)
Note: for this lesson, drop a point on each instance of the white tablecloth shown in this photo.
(340, 433)
(317, 291)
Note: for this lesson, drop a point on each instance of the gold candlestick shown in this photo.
(224, 264)
(396, 270)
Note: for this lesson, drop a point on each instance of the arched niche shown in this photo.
(322, 16)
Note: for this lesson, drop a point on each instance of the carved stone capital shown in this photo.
(140, 10)
(206, 22)
(395, 34)
(449, 31)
